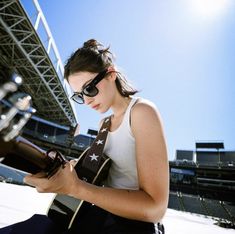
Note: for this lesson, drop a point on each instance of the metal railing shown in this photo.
(27, 45)
(48, 42)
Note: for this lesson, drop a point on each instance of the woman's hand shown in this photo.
(62, 182)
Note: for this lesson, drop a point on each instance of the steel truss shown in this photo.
(22, 50)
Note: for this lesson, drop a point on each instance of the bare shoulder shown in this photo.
(145, 110)
(146, 119)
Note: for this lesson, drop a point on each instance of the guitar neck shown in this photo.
(27, 150)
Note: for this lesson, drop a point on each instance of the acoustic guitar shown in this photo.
(91, 166)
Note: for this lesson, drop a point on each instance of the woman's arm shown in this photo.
(149, 203)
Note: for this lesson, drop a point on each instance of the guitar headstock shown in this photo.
(15, 109)
(10, 86)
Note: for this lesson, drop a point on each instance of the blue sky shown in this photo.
(179, 53)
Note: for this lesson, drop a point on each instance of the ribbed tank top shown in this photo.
(120, 147)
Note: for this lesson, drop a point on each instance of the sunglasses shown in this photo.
(90, 89)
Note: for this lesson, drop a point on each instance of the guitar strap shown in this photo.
(93, 158)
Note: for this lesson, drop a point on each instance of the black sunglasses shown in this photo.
(90, 89)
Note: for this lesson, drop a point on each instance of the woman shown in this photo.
(135, 195)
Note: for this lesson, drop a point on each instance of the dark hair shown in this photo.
(94, 57)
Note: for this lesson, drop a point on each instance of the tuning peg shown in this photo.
(16, 128)
(10, 86)
(20, 101)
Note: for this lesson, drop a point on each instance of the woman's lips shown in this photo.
(96, 106)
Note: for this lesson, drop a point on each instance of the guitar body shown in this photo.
(65, 210)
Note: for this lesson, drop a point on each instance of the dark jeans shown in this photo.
(37, 224)
(95, 221)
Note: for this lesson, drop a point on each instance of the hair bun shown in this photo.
(95, 47)
(92, 44)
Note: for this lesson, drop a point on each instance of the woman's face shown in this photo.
(106, 89)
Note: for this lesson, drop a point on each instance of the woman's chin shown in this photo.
(102, 110)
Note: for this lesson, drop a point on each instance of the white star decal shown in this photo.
(94, 157)
(104, 130)
(99, 142)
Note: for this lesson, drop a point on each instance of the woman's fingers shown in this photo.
(57, 183)
(34, 179)
(73, 162)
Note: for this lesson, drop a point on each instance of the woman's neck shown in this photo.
(120, 105)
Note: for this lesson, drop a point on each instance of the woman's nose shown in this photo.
(87, 100)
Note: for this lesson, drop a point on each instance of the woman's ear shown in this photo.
(112, 73)
(111, 68)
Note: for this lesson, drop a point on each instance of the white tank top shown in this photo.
(120, 147)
